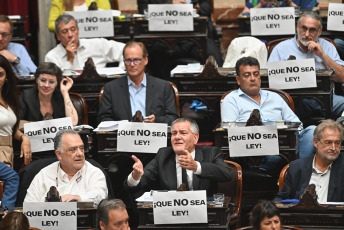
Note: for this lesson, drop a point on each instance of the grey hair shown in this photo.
(65, 18)
(193, 124)
(105, 206)
(319, 130)
(58, 138)
(310, 14)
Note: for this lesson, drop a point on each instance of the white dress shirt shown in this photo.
(321, 181)
(102, 51)
(89, 183)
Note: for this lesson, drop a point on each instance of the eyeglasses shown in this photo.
(74, 149)
(44, 81)
(337, 144)
(5, 35)
(135, 61)
(311, 30)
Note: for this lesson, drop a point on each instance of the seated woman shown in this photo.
(49, 97)
(265, 216)
(59, 6)
(9, 116)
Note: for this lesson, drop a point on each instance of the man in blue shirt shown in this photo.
(15, 53)
(11, 185)
(239, 104)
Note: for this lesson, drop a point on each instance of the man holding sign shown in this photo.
(74, 178)
(307, 44)
(197, 167)
(239, 104)
(72, 52)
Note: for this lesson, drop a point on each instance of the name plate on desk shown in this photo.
(141, 137)
(272, 21)
(170, 17)
(335, 19)
(253, 141)
(42, 133)
(292, 74)
(94, 23)
(51, 215)
(180, 207)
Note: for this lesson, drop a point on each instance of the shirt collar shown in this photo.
(64, 176)
(315, 169)
(143, 82)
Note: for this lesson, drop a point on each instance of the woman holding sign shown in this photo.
(59, 6)
(49, 98)
(9, 116)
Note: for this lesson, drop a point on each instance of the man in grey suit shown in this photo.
(138, 91)
(197, 167)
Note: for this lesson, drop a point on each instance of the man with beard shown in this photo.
(307, 44)
(324, 170)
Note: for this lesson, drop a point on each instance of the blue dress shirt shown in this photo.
(11, 185)
(26, 66)
(138, 96)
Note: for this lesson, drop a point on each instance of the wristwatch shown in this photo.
(16, 60)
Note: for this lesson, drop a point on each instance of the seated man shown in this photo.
(325, 169)
(239, 104)
(137, 91)
(75, 179)
(15, 53)
(307, 44)
(11, 184)
(112, 215)
(197, 167)
(72, 52)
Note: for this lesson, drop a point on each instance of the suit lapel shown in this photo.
(199, 158)
(335, 172)
(307, 173)
(149, 95)
(126, 97)
(171, 167)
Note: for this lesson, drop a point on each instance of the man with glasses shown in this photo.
(74, 178)
(137, 91)
(72, 52)
(307, 44)
(15, 53)
(324, 170)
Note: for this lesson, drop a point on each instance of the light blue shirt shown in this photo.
(138, 96)
(283, 50)
(26, 66)
(238, 106)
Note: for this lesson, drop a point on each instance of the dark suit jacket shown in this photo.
(299, 175)
(30, 108)
(160, 173)
(160, 101)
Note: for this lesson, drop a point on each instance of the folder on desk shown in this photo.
(107, 126)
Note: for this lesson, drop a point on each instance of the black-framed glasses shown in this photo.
(311, 30)
(135, 61)
(337, 144)
(5, 35)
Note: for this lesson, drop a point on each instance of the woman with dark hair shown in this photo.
(9, 116)
(49, 98)
(15, 221)
(265, 216)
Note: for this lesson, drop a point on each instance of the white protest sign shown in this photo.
(42, 133)
(51, 215)
(170, 17)
(272, 21)
(141, 137)
(292, 74)
(177, 207)
(94, 23)
(253, 141)
(335, 18)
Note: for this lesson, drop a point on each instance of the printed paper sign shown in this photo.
(272, 21)
(176, 207)
(292, 74)
(253, 141)
(42, 133)
(94, 23)
(141, 137)
(170, 17)
(52, 215)
(335, 18)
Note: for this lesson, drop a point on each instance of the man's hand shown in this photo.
(186, 161)
(150, 119)
(71, 49)
(66, 87)
(68, 198)
(137, 168)
(178, 1)
(8, 55)
(316, 48)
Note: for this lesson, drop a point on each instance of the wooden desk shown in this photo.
(217, 219)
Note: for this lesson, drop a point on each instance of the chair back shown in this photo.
(1, 189)
(282, 177)
(233, 188)
(80, 106)
(176, 96)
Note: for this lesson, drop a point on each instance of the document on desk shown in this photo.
(111, 72)
(145, 198)
(108, 126)
(181, 70)
(333, 203)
